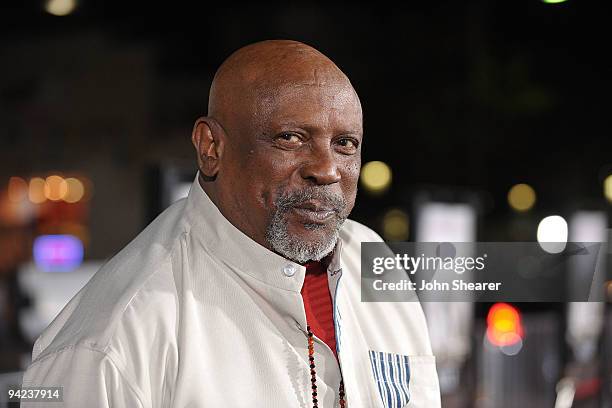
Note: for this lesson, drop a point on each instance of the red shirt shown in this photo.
(318, 304)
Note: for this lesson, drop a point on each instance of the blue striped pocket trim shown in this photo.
(392, 375)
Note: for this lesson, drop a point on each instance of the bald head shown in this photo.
(252, 77)
(280, 150)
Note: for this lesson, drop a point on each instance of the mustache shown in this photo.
(289, 200)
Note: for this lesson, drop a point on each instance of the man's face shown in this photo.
(293, 167)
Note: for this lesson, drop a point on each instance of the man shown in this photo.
(246, 293)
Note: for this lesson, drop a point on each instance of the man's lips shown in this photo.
(313, 205)
(314, 212)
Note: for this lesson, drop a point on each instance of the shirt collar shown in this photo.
(234, 248)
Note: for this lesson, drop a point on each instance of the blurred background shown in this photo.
(484, 121)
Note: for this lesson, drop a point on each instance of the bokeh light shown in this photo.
(17, 189)
(55, 188)
(552, 234)
(36, 192)
(504, 327)
(376, 177)
(75, 190)
(521, 197)
(395, 226)
(608, 188)
(57, 253)
(60, 7)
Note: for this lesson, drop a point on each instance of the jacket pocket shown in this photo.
(405, 381)
(392, 375)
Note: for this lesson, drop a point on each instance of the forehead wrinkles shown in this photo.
(300, 76)
(297, 98)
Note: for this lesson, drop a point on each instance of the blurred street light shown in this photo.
(57, 253)
(36, 193)
(17, 189)
(75, 191)
(505, 329)
(55, 188)
(395, 225)
(608, 188)
(376, 177)
(60, 7)
(521, 197)
(552, 234)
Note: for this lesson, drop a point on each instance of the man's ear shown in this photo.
(207, 139)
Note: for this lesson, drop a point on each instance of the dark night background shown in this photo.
(480, 95)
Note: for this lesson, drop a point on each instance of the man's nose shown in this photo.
(321, 167)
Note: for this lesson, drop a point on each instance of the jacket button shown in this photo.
(289, 270)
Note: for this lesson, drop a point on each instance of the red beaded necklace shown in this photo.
(313, 374)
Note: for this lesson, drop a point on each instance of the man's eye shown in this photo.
(348, 144)
(289, 137)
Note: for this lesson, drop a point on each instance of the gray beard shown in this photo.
(294, 247)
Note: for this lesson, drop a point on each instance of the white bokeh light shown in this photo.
(552, 234)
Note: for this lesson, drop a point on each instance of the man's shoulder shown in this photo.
(130, 289)
(102, 317)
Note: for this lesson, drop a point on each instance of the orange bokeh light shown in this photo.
(504, 325)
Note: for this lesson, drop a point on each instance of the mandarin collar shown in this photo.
(236, 249)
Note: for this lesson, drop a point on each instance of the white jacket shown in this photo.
(194, 313)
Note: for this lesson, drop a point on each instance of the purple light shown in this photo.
(58, 253)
